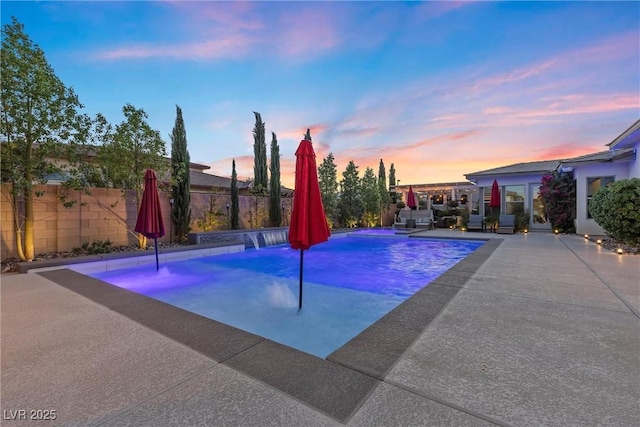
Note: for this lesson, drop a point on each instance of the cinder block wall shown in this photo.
(105, 214)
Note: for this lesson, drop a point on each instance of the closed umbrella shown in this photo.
(308, 224)
(149, 222)
(411, 201)
(494, 203)
(495, 196)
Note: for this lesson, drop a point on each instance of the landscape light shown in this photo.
(620, 251)
(586, 236)
(526, 231)
(556, 231)
(599, 241)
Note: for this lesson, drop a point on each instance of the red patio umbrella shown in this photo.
(495, 196)
(150, 222)
(308, 224)
(411, 201)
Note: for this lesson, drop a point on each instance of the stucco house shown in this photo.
(520, 183)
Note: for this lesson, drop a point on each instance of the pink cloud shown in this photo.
(209, 49)
(586, 104)
(306, 32)
(434, 9)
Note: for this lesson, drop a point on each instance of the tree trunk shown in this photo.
(29, 250)
(16, 225)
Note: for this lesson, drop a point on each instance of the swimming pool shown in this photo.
(349, 283)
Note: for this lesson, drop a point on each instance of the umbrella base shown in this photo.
(411, 223)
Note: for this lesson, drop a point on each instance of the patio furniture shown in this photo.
(476, 223)
(419, 219)
(506, 224)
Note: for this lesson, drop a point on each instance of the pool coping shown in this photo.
(336, 386)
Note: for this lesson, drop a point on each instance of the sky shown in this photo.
(438, 89)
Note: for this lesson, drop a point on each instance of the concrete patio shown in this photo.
(541, 330)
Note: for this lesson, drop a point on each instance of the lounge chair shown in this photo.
(507, 224)
(475, 223)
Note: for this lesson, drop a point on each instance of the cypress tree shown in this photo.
(385, 197)
(260, 180)
(235, 199)
(181, 211)
(392, 183)
(275, 214)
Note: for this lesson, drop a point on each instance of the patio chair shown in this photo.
(507, 224)
(475, 223)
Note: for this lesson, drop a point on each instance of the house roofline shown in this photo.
(624, 135)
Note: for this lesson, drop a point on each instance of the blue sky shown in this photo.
(440, 89)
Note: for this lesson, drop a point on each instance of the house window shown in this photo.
(486, 196)
(514, 199)
(593, 185)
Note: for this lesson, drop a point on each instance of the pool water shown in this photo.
(349, 283)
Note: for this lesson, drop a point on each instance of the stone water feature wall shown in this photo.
(251, 238)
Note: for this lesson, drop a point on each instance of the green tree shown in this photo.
(181, 181)
(328, 180)
(260, 179)
(134, 148)
(616, 208)
(235, 198)
(275, 190)
(370, 198)
(39, 123)
(383, 190)
(350, 202)
(392, 184)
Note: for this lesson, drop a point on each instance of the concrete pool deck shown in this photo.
(545, 330)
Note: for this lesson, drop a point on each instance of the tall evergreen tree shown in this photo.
(392, 184)
(370, 198)
(328, 180)
(235, 199)
(275, 199)
(38, 121)
(350, 203)
(260, 180)
(385, 197)
(181, 181)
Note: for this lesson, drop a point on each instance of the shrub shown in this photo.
(616, 208)
(465, 218)
(558, 192)
(522, 220)
(96, 247)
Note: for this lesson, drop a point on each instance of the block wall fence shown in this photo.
(105, 214)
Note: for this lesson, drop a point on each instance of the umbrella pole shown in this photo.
(300, 294)
(157, 262)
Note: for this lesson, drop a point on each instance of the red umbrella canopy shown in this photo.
(150, 221)
(411, 199)
(308, 223)
(495, 195)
